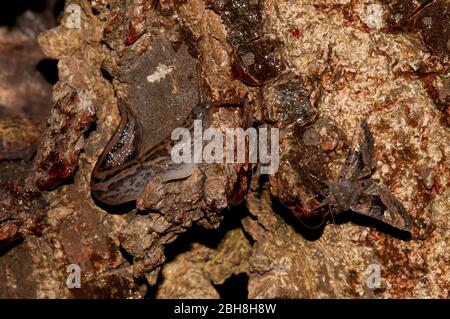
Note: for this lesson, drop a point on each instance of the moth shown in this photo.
(354, 190)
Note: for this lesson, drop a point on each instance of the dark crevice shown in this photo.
(153, 290)
(310, 228)
(58, 7)
(6, 248)
(128, 257)
(208, 237)
(248, 236)
(49, 69)
(107, 75)
(143, 282)
(10, 10)
(235, 287)
(124, 208)
(91, 129)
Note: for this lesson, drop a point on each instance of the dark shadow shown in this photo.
(115, 209)
(128, 257)
(234, 288)
(313, 227)
(58, 7)
(90, 129)
(310, 228)
(208, 237)
(107, 75)
(49, 69)
(362, 220)
(153, 290)
(63, 182)
(10, 10)
(7, 247)
(95, 11)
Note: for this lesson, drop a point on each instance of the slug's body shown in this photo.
(121, 174)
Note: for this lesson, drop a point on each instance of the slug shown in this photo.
(120, 176)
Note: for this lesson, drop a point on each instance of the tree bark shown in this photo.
(311, 69)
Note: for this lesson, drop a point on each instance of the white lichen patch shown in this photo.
(372, 15)
(160, 74)
(86, 103)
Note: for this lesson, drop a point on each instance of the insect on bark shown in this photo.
(354, 190)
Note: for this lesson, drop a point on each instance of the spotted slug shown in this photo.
(120, 176)
(162, 92)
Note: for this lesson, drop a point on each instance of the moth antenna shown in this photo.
(312, 227)
(331, 214)
(317, 179)
(314, 210)
(313, 197)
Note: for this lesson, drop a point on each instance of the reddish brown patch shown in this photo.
(424, 143)
(428, 80)
(445, 118)
(58, 154)
(364, 28)
(296, 33)
(59, 171)
(8, 232)
(241, 186)
(132, 36)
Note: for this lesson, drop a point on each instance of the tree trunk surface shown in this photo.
(311, 69)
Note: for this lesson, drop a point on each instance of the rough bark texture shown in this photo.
(310, 68)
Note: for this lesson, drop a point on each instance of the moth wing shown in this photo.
(396, 213)
(360, 161)
(380, 204)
